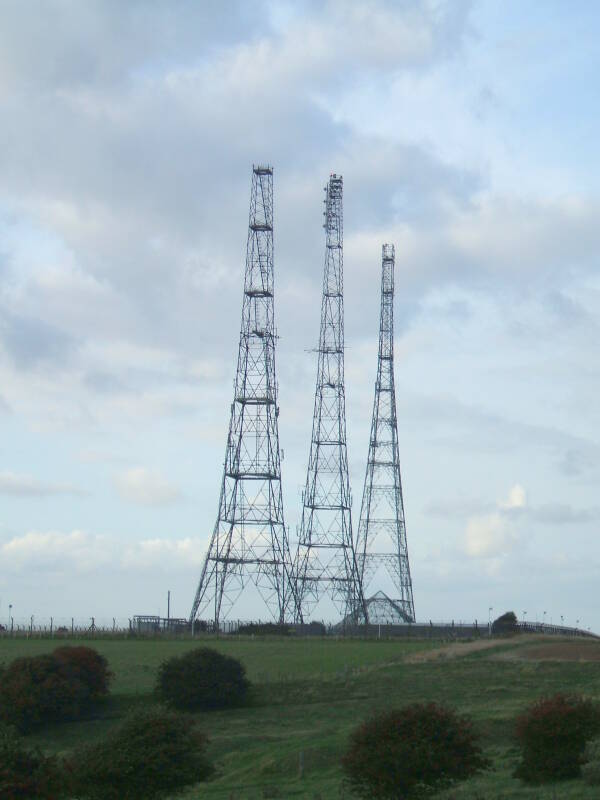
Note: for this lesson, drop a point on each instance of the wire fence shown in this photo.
(150, 627)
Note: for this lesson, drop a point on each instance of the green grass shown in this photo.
(267, 660)
(309, 694)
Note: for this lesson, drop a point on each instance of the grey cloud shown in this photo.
(567, 310)
(449, 422)
(103, 382)
(563, 514)
(30, 342)
(457, 508)
(146, 181)
(62, 43)
(577, 459)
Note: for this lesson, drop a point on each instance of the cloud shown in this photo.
(82, 552)
(30, 341)
(497, 533)
(489, 536)
(516, 498)
(494, 535)
(563, 514)
(459, 508)
(27, 486)
(145, 487)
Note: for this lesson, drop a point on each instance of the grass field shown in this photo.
(308, 694)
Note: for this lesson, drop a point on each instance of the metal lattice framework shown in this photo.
(381, 540)
(326, 560)
(249, 541)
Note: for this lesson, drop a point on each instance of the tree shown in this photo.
(26, 773)
(201, 680)
(154, 754)
(552, 734)
(507, 623)
(410, 752)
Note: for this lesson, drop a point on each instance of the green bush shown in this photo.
(87, 666)
(40, 689)
(264, 629)
(26, 773)
(202, 680)
(507, 623)
(411, 752)
(552, 734)
(590, 770)
(154, 754)
(52, 687)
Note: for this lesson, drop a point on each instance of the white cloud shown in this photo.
(82, 552)
(516, 498)
(495, 535)
(27, 486)
(55, 551)
(488, 536)
(145, 487)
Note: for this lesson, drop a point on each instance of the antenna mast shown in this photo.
(249, 540)
(326, 560)
(381, 529)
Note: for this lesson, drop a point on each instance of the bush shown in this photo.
(88, 666)
(26, 773)
(153, 754)
(411, 752)
(202, 680)
(49, 688)
(37, 690)
(590, 770)
(264, 629)
(507, 623)
(553, 733)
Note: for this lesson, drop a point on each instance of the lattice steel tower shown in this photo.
(381, 540)
(250, 540)
(326, 560)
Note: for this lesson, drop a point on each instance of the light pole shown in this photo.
(562, 620)
(544, 622)
(490, 609)
(9, 613)
(524, 619)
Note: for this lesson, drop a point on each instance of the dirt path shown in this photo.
(458, 649)
(570, 650)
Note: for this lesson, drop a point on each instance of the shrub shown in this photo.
(153, 754)
(590, 770)
(202, 680)
(88, 666)
(410, 752)
(40, 689)
(49, 688)
(507, 623)
(26, 773)
(264, 629)
(553, 733)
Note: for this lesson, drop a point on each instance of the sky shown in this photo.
(466, 133)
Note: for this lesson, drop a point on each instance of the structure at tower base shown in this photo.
(326, 562)
(249, 542)
(382, 550)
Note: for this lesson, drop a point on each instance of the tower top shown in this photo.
(388, 252)
(262, 169)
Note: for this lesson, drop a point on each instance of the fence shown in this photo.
(157, 627)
